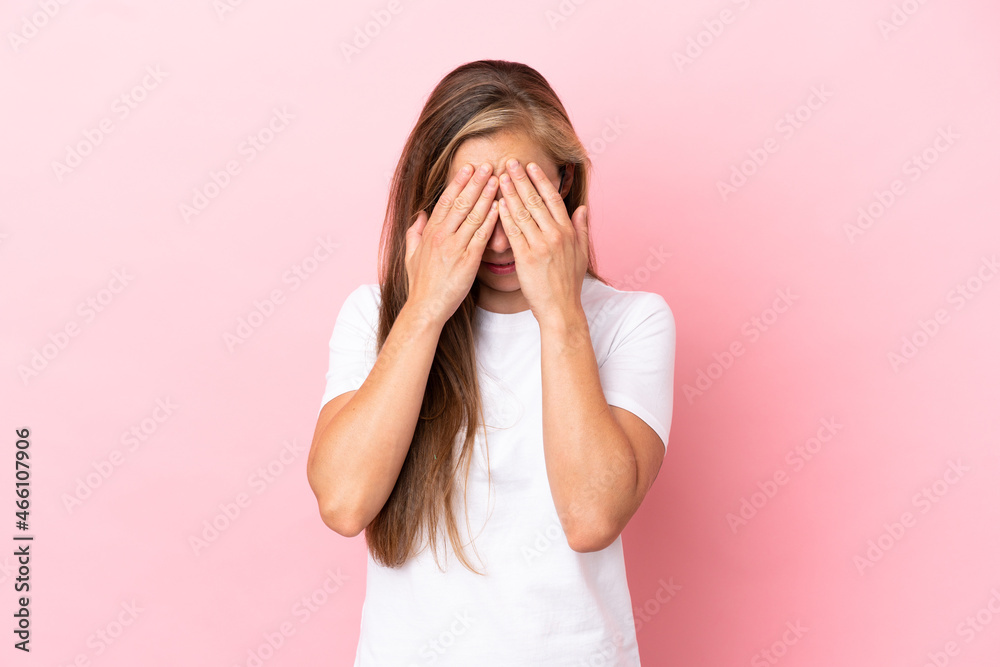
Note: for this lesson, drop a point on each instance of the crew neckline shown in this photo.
(488, 319)
(524, 319)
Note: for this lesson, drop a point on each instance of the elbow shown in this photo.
(592, 536)
(348, 524)
(336, 512)
(338, 515)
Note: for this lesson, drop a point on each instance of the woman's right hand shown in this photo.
(444, 251)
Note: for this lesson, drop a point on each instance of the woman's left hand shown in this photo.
(551, 251)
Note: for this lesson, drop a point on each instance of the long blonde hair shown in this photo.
(477, 99)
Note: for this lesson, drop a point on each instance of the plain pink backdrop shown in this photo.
(671, 99)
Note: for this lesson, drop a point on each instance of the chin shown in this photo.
(506, 283)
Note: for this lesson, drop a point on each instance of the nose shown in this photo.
(498, 244)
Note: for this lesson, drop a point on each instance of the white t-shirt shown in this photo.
(541, 603)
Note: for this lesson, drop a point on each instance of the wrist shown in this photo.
(421, 317)
(567, 322)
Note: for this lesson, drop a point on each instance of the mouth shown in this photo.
(500, 269)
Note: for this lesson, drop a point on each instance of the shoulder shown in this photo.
(366, 293)
(369, 292)
(608, 307)
(362, 303)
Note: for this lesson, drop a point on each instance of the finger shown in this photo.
(477, 216)
(447, 198)
(518, 243)
(550, 194)
(482, 234)
(530, 198)
(414, 232)
(519, 214)
(581, 221)
(467, 199)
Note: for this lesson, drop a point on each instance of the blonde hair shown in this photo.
(477, 99)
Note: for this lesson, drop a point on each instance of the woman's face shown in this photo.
(501, 292)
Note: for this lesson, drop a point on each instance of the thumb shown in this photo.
(415, 232)
(581, 222)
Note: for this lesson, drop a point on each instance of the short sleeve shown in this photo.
(638, 373)
(353, 342)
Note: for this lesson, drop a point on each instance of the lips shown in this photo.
(504, 264)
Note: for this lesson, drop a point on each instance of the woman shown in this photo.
(493, 393)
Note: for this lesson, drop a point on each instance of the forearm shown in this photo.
(591, 466)
(357, 456)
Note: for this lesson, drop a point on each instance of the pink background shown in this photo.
(830, 551)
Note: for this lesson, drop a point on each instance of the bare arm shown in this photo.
(601, 459)
(362, 437)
